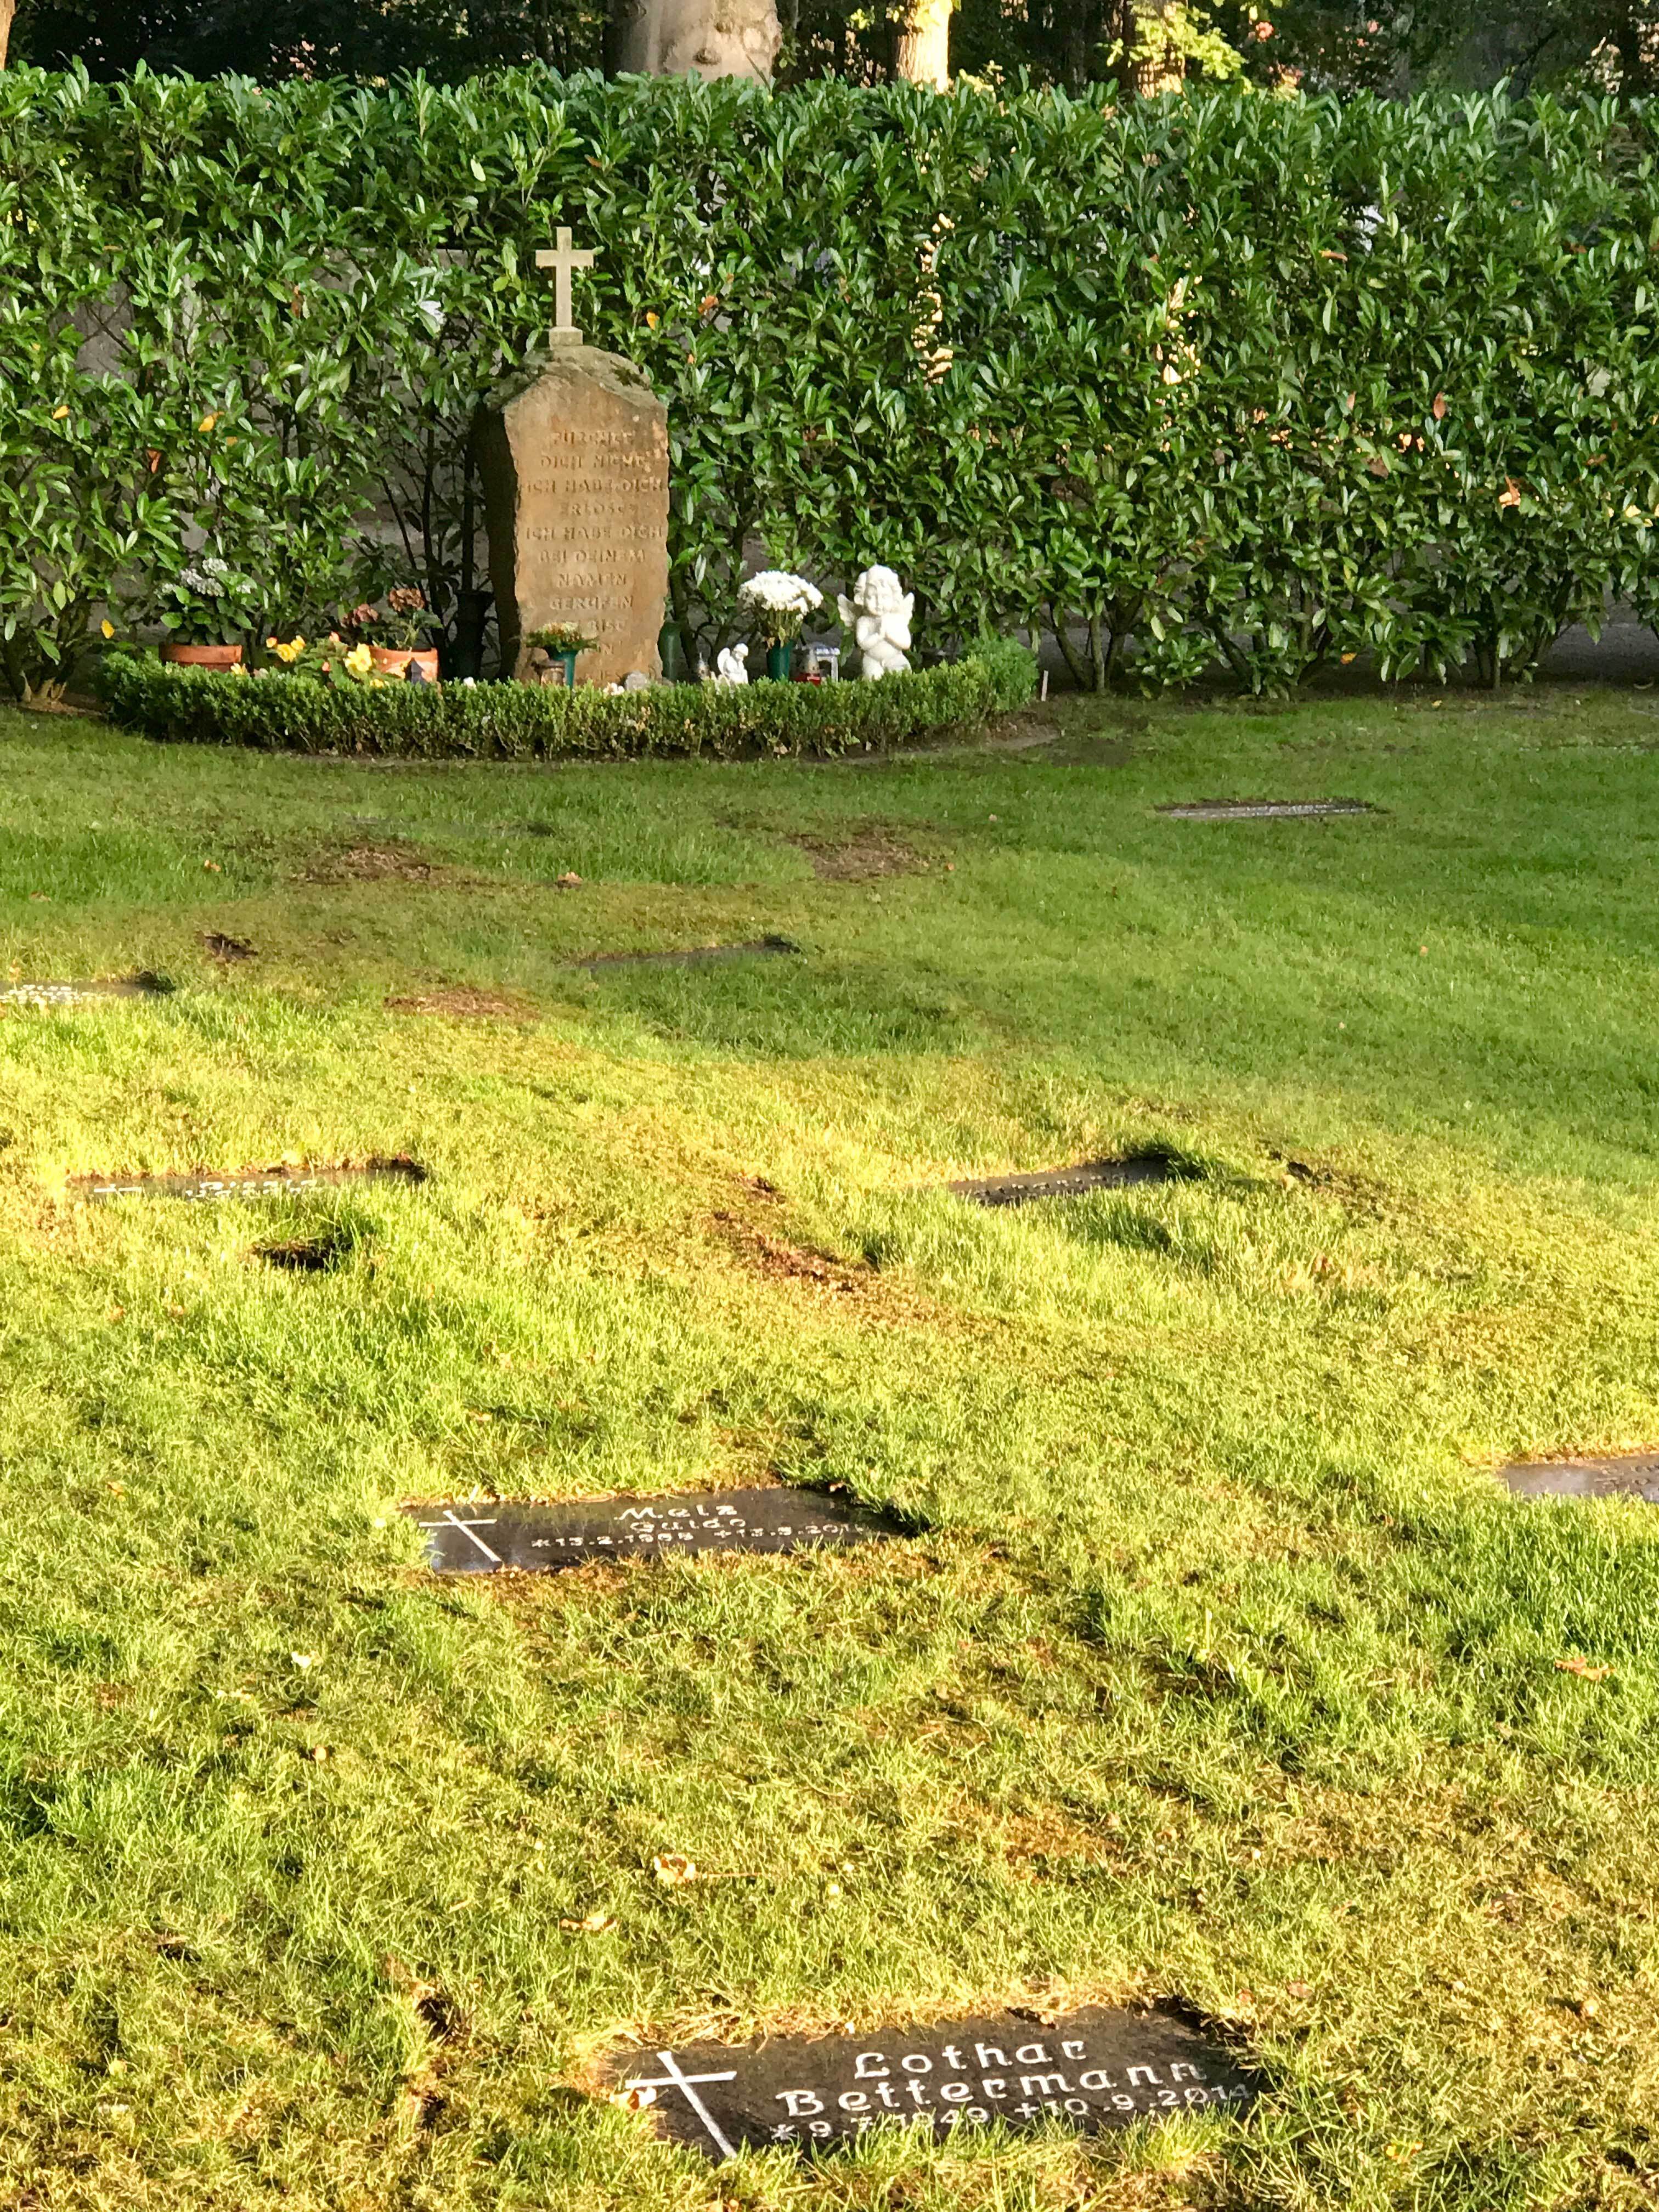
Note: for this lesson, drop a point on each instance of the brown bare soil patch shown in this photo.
(860, 856)
(783, 1263)
(464, 1005)
(371, 864)
(304, 1256)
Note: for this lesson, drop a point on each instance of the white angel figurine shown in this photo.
(732, 665)
(879, 615)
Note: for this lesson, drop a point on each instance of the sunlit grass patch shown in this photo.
(1209, 1655)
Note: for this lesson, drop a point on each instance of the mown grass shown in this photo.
(1220, 1664)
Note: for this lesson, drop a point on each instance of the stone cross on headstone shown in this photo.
(561, 260)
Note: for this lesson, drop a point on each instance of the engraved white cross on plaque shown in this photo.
(561, 257)
(468, 1529)
(674, 2079)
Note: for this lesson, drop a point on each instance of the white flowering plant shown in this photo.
(209, 603)
(775, 603)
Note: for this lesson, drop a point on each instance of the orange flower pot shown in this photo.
(204, 656)
(393, 659)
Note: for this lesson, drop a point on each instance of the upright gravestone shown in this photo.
(573, 455)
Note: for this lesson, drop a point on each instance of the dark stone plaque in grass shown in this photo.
(480, 1539)
(1090, 2070)
(1263, 810)
(246, 1182)
(1069, 1182)
(1634, 1475)
(75, 995)
(695, 956)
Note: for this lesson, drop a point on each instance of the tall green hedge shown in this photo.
(1278, 380)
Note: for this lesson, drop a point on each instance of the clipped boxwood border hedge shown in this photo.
(520, 722)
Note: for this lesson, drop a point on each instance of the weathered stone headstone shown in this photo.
(250, 1183)
(1633, 1475)
(1067, 1182)
(1091, 2070)
(483, 1540)
(574, 457)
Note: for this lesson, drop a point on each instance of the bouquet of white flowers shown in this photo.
(777, 603)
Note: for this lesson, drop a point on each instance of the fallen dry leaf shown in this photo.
(568, 882)
(597, 1923)
(1575, 1665)
(671, 1867)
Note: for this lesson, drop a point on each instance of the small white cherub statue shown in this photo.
(879, 615)
(732, 665)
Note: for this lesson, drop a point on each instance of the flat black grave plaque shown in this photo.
(1092, 2070)
(249, 1182)
(1264, 809)
(1066, 1182)
(1635, 1475)
(75, 995)
(693, 956)
(480, 1539)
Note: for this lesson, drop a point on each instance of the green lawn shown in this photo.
(1220, 1664)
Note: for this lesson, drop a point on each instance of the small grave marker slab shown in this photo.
(76, 993)
(1634, 1475)
(483, 1540)
(1264, 809)
(1066, 1182)
(692, 957)
(248, 1182)
(1091, 2070)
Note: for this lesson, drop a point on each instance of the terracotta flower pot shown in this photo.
(204, 656)
(394, 660)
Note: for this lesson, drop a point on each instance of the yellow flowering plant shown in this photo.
(329, 660)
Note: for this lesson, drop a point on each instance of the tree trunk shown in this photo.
(1636, 40)
(1081, 27)
(922, 54)
(8, 9)
(676, 37)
